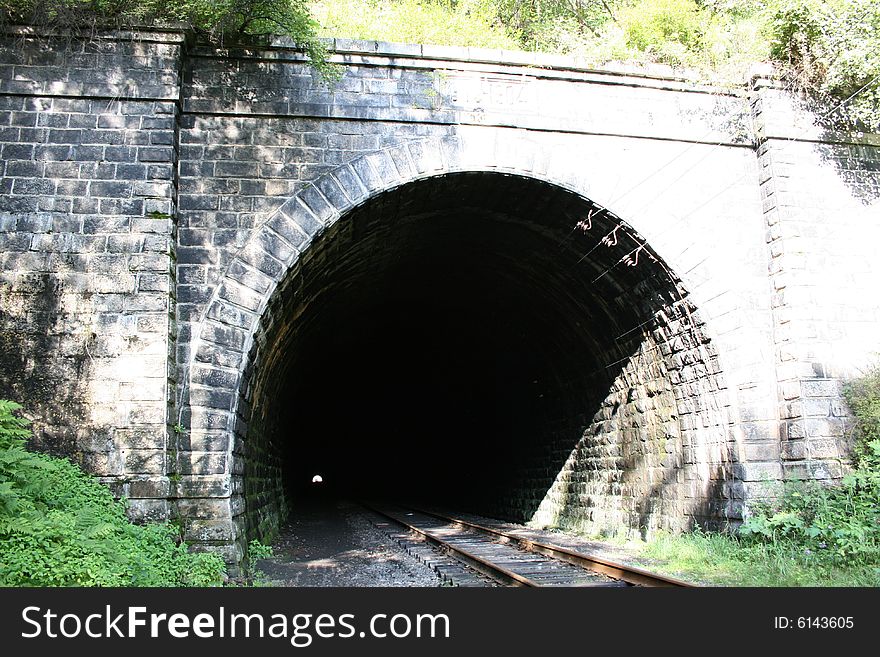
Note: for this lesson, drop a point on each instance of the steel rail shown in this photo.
(628, 574)
(498, 573)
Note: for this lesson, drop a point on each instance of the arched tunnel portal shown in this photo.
(491, 343)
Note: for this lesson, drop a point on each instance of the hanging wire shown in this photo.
(628, 256)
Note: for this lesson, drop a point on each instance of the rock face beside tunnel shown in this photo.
(613, 302)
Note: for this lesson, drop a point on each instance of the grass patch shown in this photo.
(723, 560)
(813, 535)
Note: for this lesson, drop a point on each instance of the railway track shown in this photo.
(511, 560)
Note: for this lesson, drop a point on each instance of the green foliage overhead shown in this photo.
(226, 22)
(828, 48)
(466, 23)
(61, 527)
(542, 24)
(831, 49)
(669, 29)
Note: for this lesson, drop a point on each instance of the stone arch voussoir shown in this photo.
(247, 283)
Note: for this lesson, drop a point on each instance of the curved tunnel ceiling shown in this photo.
(451, 335)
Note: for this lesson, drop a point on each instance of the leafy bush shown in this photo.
(551, 25)
(863, 396)
(61, 527)
(258, 550)
(831, 49)
(668, 28)
(834, 524)
(466, 23)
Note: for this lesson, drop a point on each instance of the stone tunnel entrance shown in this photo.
(492, 343)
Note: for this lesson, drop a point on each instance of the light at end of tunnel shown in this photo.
(317, 479)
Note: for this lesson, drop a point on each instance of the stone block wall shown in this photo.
(820, 189)
(153, 195)
(87, 133)
(659, 453)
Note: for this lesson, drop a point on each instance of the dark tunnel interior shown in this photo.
(448, 342)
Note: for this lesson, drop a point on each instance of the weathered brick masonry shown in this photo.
(88, 133)
(182, 227)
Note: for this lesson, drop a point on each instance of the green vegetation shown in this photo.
(258, 550)
(831, 49)
(61, 527)
(226, 22)
(719, 559)
(827, 48)
(413, 21)
(814, 535)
